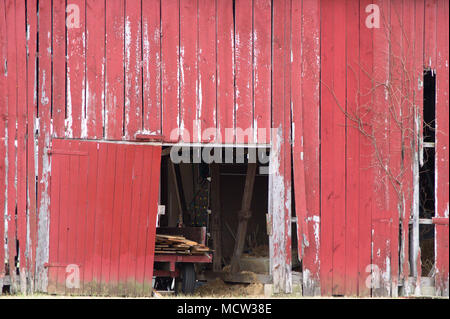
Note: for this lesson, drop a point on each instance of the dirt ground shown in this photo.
(219, 289)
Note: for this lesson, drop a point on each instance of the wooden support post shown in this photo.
(216, 220)
(177, 191)
(244, 216)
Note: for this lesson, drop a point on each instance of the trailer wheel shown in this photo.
(188, 278)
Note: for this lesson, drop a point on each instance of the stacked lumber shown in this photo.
(167, 244)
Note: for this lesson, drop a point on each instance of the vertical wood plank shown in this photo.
(91, 234)
(3, 135)
(54, 224)
(73, 225)
(442, 150)
(244, 70)
(142, 218)
(21, 140)
(96, 282)
(431, 34)
(63, 222)
(353, 136)
(189, 47)
(59, 67)
(311, 120)
(117, 211)
(114, 85)
(366, 157)
(95, 68)
(207, 69)
(333, 148)
(12, 136)
(151, 33)
(137, 178)
(151, 219)
(124, 253)
(170, 69)
(133, 68)
(106, 207)
(262, 58)
(75, 74)
(225, 71)
(44, 109)
(297, 128)
(31, 118)
(83, 232)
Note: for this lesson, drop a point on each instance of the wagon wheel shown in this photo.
(188, 278)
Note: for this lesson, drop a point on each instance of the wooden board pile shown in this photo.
(168, 244)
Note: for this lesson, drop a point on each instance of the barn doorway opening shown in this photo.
(427, 176)
(221, 202)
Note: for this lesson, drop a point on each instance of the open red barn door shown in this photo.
(104, 199)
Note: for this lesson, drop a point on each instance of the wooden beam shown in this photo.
(244, 216)
(177, 190)
(216, 220)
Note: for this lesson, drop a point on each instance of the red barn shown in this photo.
(350, 99)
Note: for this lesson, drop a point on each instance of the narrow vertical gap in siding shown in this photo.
(179, 134)
(320, 129)
(37, 66)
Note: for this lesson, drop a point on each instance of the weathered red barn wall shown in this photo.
(303, 67)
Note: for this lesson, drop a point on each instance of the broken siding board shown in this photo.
(262, 25)
(225, 71)
(3, 139)
(31, 118)
(207, 70)
(59, 67)
(75, 74)
(12, 136)
(244, 71)
(442, 151)
(151, 48)
(353, 135)
(311, 119)
(188, 70)
(366, 157)
(280, 182)
(333, 149)
(95, 68)
(133, 70)
(170, 69)
(114, 85)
